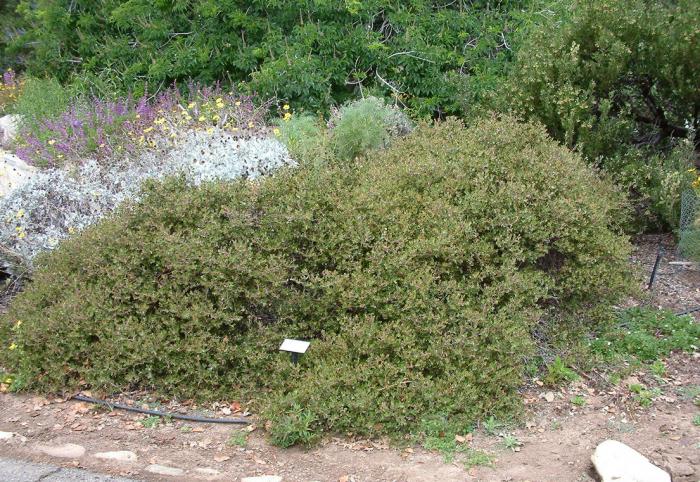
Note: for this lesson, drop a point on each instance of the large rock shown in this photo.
(616, 462)
(13, 172)
(8, 128)
(68, 451)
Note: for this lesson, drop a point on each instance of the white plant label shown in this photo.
(294, 346)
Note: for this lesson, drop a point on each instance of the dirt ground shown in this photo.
(557, 437)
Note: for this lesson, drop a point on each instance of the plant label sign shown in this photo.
(294, 346)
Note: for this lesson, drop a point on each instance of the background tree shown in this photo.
(618, 80)
(313, 53)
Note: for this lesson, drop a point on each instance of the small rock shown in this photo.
(208, 473)
(617, 462)
(6, 435)
(68, 451)
(680, 469)
(164, 470)
(8, 128)
(13, 172)
(549, 396)
(120, 455)
(263, 478)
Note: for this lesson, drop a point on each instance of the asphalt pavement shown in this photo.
(12, 470)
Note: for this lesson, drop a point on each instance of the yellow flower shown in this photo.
(71, 230)
(210, 130)
(287, 116)
(250, 125)
(13, 346)
(202, 118)
(52, 142)
(148, 129)
(216, 118)
(138, 116)
(286, 107)
(191, 105)
(238, 102)
(219, 100)
(276, 131)
(18, 228)
(18, 323)
(159, 121)
(20, 213)
(22, 235)
(234, 129)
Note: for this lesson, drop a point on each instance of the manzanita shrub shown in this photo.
(418, 273)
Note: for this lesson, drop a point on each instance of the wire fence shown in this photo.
(689, 228)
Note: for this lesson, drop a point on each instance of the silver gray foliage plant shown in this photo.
(57, 203)
(396, 122)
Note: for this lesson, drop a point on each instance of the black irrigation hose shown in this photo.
(190, 418)
(688, 311)
(659, 255)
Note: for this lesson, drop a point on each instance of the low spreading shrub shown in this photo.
(418, 273)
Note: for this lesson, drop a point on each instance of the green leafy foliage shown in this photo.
(41, 100)
(313, 53)
(647, 335)
(558, 372)
(492, 426)
(643, 396)
(11, 26)
(151, 421)
(366, 124)
(294, 427)
(238, 438)
(476, 458)
(617, 80)
(305, 138)
(418, 272)
(438, 433)
(511, 442)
